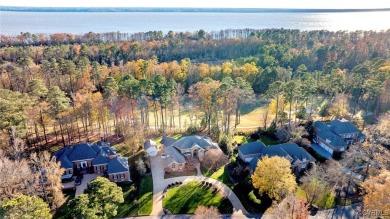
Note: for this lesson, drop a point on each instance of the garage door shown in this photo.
(326, 148)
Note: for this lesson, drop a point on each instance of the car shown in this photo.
(79, 179)
(67, 179)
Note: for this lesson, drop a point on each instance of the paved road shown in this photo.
(159, 184)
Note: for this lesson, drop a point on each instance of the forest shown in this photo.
(65, 88)
(61, 89)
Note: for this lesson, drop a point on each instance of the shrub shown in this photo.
(254, 198)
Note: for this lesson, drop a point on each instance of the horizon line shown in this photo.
(182, 9)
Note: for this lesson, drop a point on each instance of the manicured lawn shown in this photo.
(186, 198)
(241, 139)
(222, 175)
(137, 202)
(267, 140)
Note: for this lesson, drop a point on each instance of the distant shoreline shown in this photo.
(197, 10)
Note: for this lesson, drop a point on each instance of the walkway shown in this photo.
(159, 184)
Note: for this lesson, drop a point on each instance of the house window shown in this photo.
(122, 176)
(173, 166)
(115, 176)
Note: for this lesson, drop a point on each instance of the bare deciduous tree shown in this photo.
(203, 212)
(16, 177)
(50, 173)
(213, 159)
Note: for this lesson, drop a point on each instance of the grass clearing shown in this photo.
(186, 198)
(222, 175)
(137, 202)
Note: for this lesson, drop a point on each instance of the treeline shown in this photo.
(294, 47)
(69, 92)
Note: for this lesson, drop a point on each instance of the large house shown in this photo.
(177, 152)
(93, 157)
(252, 152)
(335, 136)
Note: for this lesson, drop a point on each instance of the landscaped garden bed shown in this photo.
(184, 199)
(172, 174)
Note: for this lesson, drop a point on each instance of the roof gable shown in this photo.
(190, 141)
(101, 158)
(82, 151)
(332, 138)
(320, 125)
(342, 127)
(296, 152)
(65, 162)
(175, 155)
(167, 141)
(255, 147)
(118, 165)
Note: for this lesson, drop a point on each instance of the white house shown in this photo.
(150, 147)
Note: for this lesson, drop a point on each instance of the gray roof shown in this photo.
(99, 152)
(193, 140)
(82, 151)
(65, 150)
(167, 141)
(253, 163)
(296, 152)
(175, 155)
(271, 151)
(342, 127)
(117, 165)
(101, 158)
(149, 143)
(283, 150)
(320, 125)
(333, 139)
(255, 147)
(65, 162)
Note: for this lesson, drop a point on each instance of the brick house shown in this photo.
(93, 157)
(252, 152)
(335, 136)
(190, 147)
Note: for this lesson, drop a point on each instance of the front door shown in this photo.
(83, 164)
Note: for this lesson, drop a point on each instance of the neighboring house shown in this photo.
(347, 131)
(93, 157)
(335, 136)
(150, 147)
(251, 150)
(189, 147)
(254, 151)
(331, 142)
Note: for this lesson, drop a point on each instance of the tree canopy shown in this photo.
(273, 176)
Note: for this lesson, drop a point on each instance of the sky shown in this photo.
(315, 4)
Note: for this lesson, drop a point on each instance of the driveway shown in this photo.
(159, 184)
(86, 180)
